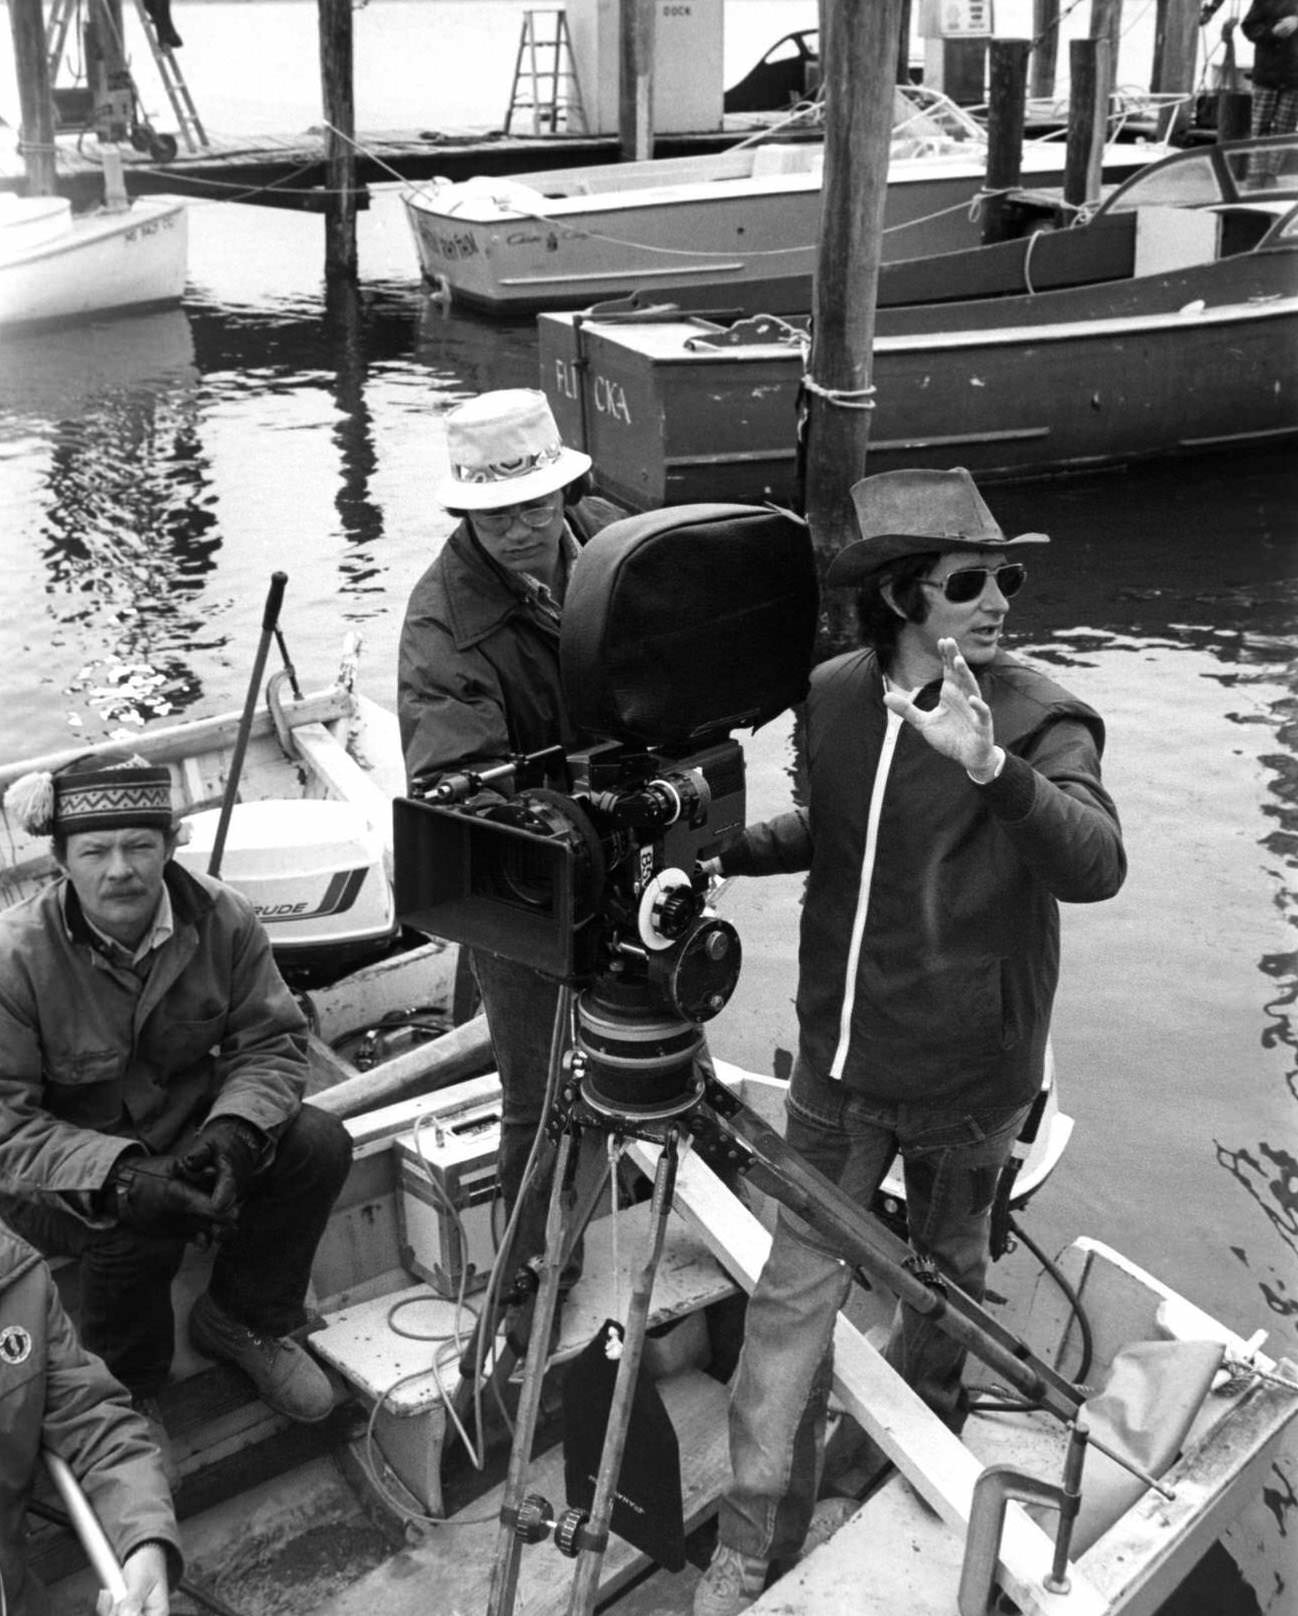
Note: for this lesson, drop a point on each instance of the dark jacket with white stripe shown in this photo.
(930, 975)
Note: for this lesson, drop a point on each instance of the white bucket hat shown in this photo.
(505, 449)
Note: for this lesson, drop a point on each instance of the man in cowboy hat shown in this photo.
(954, 799)
(478, 681)
(151, 1094)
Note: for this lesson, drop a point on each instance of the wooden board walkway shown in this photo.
(288, 171)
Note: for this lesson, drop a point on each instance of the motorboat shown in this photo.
(58, 266)
(739, 226)
(1165, 324)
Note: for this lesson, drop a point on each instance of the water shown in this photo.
(154, 471)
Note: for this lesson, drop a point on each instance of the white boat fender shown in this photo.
(1197, 307)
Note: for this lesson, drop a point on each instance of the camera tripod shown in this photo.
(686, 1104)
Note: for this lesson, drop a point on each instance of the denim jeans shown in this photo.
(260, 1274)
(952, 1160)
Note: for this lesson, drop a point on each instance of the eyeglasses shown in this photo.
(537, 515)
(966, 584)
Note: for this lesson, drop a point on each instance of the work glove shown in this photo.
(223, 1160)
(155, 1195)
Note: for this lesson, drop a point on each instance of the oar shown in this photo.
(86, 1525)
(269, 621)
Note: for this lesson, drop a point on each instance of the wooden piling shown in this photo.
(903, 44)
(1176, 44)
(1007, 101)
(35, 103)
(334, 20)
(1106, 26)
(1045, 48)
(859, 52)
(635, 81)
(1088, 101)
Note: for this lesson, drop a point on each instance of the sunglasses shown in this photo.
(966, 584)
(537, 515)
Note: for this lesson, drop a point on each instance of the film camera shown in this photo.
(679, 626)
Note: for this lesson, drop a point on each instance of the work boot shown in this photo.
(287, 1378)
(828, 1515)
(150, 1411)
(730, 1584)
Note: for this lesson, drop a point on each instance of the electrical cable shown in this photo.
(995, 1399)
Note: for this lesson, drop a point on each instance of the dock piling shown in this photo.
(1007, 103)
(35, 103)
(336, 63)
(1089, 77)
(859, 52)
(1045, 47)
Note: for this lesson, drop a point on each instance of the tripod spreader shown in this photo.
(742, 1142)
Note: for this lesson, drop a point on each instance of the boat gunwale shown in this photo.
(80, 237)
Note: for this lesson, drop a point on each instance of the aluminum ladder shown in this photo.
(173, 80)
(545, 77)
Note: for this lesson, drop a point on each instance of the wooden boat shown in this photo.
(738, 225)
(56, 265)
(309, 837)
(1066, 349)
(277, 1518)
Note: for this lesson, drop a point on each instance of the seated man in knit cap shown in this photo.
(152, 1066)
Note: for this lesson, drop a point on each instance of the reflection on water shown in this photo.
(110, 414)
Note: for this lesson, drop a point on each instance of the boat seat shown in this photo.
(1242, 229)
(1175, 238)
(790, 159)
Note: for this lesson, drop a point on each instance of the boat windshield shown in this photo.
(922, 113)
(1259, 170)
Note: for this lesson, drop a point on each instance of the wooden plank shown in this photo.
(450, 1572)
(359, 1343)
(934, 1460)
(459, 1053)
(417, 979)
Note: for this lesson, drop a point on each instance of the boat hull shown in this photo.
(1003, 389)
(100, 263)
(744, 239)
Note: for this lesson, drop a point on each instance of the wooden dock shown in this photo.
(289, 171)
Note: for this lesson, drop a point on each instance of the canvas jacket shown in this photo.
(477, 668)
(929, 950)
(1275, 60)
(54, 1394)
(89, 1062)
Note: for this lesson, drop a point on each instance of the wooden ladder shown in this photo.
(545, 77)
(173, 80)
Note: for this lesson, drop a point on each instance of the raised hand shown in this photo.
(960, 726)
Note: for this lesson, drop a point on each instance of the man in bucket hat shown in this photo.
(478, 681)
(954, 799)
(151, 1094)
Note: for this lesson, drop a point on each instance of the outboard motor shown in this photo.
(316, 873)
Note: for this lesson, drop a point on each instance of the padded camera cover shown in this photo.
(688, 621)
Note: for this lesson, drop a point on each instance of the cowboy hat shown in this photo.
(505, 449)
(903, 513)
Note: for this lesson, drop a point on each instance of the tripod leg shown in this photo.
(509, 1546)
(585, 1584)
